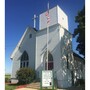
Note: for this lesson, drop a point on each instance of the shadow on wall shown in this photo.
(69, 65)
(63, 73)
(67, 59)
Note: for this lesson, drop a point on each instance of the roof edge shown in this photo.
(20, 41)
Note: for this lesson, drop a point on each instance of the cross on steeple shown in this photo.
(35, 17)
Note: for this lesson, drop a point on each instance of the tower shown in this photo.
(57, 16)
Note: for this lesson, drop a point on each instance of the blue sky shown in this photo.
(19, 14)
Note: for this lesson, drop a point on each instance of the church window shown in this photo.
(30, 36)
(50, 61)
(24, 60)
(24, 56)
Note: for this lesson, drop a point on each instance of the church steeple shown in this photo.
(57, 16)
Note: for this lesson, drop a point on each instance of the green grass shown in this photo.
(7, 86)
(10, 87)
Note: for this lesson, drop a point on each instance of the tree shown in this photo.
(79, 32)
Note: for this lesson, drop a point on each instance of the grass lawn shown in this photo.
(10, 87)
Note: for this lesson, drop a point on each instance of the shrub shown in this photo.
(25, 75)
(7, 80)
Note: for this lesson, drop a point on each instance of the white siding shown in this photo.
(53, 18)
(54, 47)
(64, 74)
(56, 44)
(28, 45)
(57, 16)
(62, 18)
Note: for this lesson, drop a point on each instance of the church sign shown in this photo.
(47, 78)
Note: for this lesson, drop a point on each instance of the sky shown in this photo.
(19, 14)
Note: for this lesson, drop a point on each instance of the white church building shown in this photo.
(31, 50)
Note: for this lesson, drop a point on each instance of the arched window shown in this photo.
(24, 60)
(50, 61)
(24, 56)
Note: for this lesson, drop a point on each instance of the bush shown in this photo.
(25, 75)
(7, 80)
